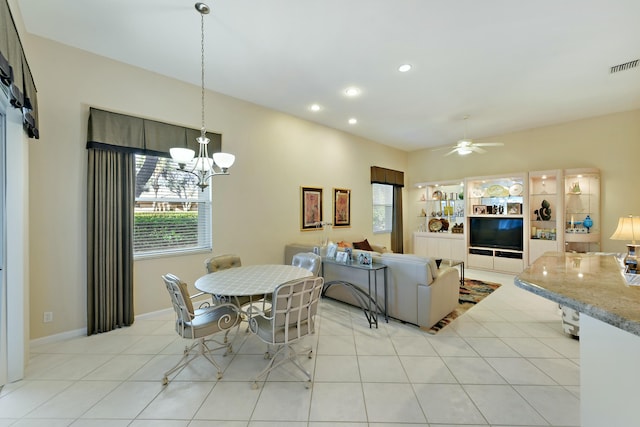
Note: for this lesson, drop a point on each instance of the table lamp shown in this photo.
(629, 229)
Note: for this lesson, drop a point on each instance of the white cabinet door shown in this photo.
(420, 243)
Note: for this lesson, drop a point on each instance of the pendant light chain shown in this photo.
(204, 167)
(202, 129)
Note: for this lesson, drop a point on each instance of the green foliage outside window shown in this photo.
(155, 230)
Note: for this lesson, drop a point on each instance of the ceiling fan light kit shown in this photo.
(466, 146)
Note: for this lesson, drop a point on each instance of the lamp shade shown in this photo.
(182, 155)
(224, 160)
(628, 229)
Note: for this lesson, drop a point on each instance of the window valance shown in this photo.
(120, 132)
(15, 73)
(387, 176)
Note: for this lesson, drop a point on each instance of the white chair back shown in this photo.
(308, 261)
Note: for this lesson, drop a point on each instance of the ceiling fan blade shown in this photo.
(477, 149)
(488, 144)
(455, 150)
(448, 147)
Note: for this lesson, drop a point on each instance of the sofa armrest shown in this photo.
(440, 298)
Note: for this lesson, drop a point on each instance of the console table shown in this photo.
(609, 329)
(367, 300)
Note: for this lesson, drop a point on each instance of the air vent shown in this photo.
(625, 66)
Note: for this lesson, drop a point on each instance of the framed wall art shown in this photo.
(311, 208)
(341, 207)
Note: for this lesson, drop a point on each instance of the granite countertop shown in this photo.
(590, 284)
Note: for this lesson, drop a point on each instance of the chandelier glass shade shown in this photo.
(202, 166)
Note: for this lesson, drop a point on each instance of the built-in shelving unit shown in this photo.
(440, 209)
(474, 220)
(497, 227)
(546, 207)
(582, 200)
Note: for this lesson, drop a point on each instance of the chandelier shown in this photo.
(203, 166)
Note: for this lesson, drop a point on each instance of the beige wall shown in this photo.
(256, 208)
(610, 143)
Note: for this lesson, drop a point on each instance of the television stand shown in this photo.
(501, 260)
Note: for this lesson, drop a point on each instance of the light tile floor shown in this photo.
(505, 362)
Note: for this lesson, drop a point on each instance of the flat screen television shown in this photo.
(499, 233)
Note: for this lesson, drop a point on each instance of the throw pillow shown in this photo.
(364, 245)
(344, 244)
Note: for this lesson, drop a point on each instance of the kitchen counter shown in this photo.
(590, 284)
(609, 330)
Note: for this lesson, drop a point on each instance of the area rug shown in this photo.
(471, 293)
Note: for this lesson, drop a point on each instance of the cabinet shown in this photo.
(546, 208)
(582, 220)
(439, 245)
(497, 222)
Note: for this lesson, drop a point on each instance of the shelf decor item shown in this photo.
(588, 223)
(545, 211)
(575, 188)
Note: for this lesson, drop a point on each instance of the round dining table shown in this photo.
(249, 280)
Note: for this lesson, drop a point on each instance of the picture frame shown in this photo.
(332, 249)
(514, 208)
(364, 258)
(341, 207)
(310, 208)
(479, 209)
(341, 257)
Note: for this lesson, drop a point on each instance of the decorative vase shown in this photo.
(588, 223)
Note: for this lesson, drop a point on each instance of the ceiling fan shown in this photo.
(467, 146)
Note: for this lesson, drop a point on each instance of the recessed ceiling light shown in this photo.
(352, 91)
(404, 68)
(353, 121)
(315, 107)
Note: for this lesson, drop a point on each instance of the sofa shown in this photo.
(419, 292)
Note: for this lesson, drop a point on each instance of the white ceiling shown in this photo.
(508, 64)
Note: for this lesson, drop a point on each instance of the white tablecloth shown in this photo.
(249, 280)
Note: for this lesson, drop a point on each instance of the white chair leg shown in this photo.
(285, 353)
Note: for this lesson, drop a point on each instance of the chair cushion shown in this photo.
(222, 262)
(185, 295)
(210, 320)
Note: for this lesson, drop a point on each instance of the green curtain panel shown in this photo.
(121, 132)
(397, 235)
(110, 201)
(396, 178)
(15, 73)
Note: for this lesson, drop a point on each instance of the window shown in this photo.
(171, 214)
(382, 208)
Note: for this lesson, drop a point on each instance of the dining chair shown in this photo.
(223, 262)
(200, 325)
(308, 261)
(291, 318)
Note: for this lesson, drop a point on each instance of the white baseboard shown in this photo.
(58, 337)
(83, 331)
